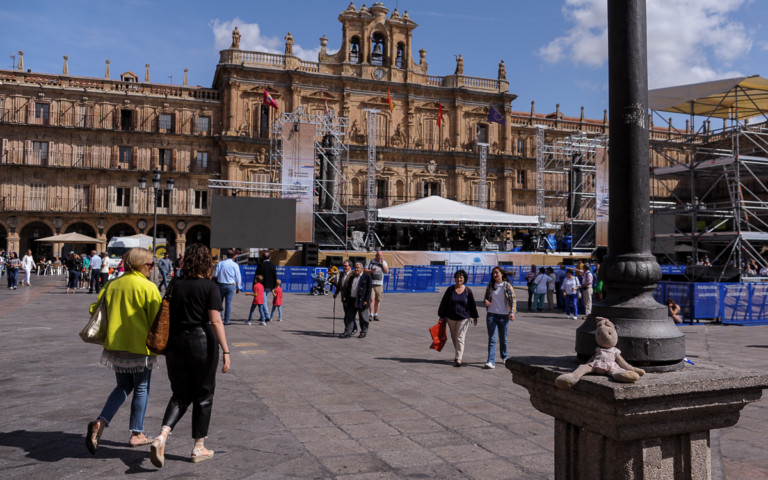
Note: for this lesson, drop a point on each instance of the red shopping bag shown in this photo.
(437, 332)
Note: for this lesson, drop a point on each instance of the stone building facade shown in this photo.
(74, 148)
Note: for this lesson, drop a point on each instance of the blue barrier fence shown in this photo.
(732, 303)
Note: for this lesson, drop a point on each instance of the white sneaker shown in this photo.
(489, 366)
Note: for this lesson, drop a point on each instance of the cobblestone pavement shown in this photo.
(302, 403)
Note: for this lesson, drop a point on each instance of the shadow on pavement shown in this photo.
(56, 446)
(313, 334)
(443, 361)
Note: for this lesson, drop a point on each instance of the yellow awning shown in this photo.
(736, 98)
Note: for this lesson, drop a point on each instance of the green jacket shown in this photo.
(132, 304)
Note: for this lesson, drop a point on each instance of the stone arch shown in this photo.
(355, 55)
(378, 51)
(169, 234)
(120, 230)
(199, 234)
(31, 232)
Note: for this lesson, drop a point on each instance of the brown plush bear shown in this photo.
(607, 359)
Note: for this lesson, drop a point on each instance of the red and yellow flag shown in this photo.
(439, 114)
(268, 100)
(389, 102)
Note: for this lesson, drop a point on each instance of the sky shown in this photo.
(555, 51)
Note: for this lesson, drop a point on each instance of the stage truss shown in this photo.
(566, 181)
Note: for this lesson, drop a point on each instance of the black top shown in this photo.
(191, 300)
(457, 306)
(268, 271)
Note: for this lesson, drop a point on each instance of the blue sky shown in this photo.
(555, 50)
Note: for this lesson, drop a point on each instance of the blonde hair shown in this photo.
(278, 282)
(136, 258)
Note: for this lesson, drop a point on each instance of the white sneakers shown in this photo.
(489, 366)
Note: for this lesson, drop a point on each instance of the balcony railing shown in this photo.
(96, 202)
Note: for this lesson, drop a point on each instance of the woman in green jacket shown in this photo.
(132, 302)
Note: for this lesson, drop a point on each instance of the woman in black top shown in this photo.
(192, 354)
(457, 307)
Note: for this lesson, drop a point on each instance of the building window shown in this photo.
(482, 133)
(166, 122)
(163, 199)
(521, 178)
(204, 124)
(201, 199)
(201, 160)
(123, 198)
(382, 192)
(520, 146)
(42, 111)
(82, 116)
(38, 196)
(381, 130)
(126, 120)
(264, 122)
(124, 159)
(78, 154)
(378, 47)
(40, 151)
(354, 50)
(164, 158)
(431, 188)
(430, 137)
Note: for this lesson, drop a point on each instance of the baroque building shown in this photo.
(74, 148)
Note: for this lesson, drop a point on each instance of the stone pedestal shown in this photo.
(657, 428)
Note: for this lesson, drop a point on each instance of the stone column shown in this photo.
(509, 177)
(12, 242)
(655, 429)
(647, 337)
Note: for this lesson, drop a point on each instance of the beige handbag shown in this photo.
(95, 331)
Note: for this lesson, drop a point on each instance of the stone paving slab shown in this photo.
(301, 403)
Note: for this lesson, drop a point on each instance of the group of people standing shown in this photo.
(12, 265)
(563, 288)
(361, 290)
(192, 353)
(227, 276)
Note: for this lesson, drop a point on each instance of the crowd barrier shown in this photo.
(732, 303)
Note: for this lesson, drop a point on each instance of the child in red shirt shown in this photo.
(258, 300)
(277, 302)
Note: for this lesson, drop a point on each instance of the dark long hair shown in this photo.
(491, 283)
(197, 262)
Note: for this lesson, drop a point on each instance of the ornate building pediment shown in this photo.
(376, 102)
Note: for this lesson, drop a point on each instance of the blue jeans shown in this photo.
(164, 283)
(500, 322)
(571, 304)
(127, 382)
(265, 315)
(13, 275)
(538, 301)
(279, 309)
(227, 294)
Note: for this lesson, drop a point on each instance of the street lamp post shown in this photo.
(156, 188)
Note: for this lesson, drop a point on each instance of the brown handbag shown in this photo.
(157, 338)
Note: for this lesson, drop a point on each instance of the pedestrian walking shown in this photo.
(540, 285)
(529, 277)
(277, 301)
(27, 264)
(228, 277)
(501, 305)
(12, 270)
(192, 353)
(258, 301)
(132, 302)
(376, 268)
(165, 266)
(357, 297)
(587, 284)
(570, 291)
(551, 284)
(457, 307)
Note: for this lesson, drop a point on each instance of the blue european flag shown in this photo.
(496, 116)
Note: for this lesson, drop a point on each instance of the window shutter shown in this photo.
(174, 161)
(195, 118)
(28, 151)
(155, 158)
(135, 119)
(134, 158)
(115, 157)
(172, 207)
(52, 155)
(177, 123)
(4, 155)
(53, 114)
(190, 200)
(134, 203)
(30, 111)
(111, 198)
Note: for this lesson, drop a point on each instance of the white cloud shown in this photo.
(689, 41)
(251, 39)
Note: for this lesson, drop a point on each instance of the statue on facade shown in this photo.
(289, 44)
(235, 39)
(502, 71)
(459, 65)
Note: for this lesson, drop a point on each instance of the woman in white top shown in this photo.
(570, 288)
(551, 288)
(540, 284)
(501, 304)
(27, 263)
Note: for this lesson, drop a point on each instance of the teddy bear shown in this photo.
(607, 359)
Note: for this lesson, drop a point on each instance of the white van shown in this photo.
(117, 246)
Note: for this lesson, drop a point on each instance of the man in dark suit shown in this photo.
(268, 273)
(356, 296)
(346, 274)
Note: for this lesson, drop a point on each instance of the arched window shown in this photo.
(378, 47)
(400, 57)
(354, 50)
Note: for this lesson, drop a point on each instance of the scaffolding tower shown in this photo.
(566, 181)
(330, 196)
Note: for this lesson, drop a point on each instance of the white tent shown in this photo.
(441, 211)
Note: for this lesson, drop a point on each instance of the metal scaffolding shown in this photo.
(566, 183)
(330, 204)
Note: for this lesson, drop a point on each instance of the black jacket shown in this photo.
(269, 274)
(363, 294)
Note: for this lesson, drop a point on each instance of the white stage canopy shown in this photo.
(441, 211)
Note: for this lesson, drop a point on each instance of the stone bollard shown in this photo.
(655, 429)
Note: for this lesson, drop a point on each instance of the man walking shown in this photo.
(95, 272)
(227, 275)
(356, 296)
(344, 277)
(165, 267)
(376, 268)
(529, 277)
(268, 274)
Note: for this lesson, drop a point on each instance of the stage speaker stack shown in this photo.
(309, 255)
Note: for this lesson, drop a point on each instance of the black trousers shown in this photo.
(192, 357)
(350, 312)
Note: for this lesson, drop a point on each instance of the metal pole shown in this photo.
(647, 336)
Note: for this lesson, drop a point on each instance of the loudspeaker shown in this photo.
(575, 179)
(309, 255)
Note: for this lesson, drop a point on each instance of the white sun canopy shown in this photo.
(737, 98)
(439, 210)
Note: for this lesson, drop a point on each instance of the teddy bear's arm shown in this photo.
(626, 366)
